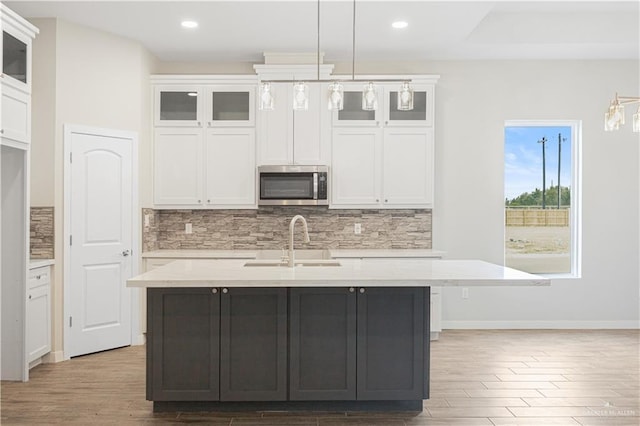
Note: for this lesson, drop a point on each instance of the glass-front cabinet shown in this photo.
(387, 112)
(230, 106)
(178, 106)
(14, 57)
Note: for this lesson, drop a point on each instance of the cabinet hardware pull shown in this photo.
(225, 290)
(362, 290)
(386, 201)
(351, 289)
(209, 201)
(214, 290)
(125, 253)
(29, 297)
(38, 277)
(377, 200)
(199, 201)
(2, 131)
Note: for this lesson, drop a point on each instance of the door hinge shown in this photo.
(70, 322)
(70, 240)
(71, 157)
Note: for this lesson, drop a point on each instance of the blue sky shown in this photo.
(523, 158)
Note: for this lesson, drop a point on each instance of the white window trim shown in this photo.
(576, 189)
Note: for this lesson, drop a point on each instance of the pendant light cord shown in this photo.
(318, 50)
(353, 46)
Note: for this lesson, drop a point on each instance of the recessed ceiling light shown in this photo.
(189, 24)
(400, 24)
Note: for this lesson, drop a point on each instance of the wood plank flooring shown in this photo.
(479, 377)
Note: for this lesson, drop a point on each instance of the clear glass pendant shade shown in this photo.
(369, 97)
(336, 96)
(266, 97)
(300, 97)
(614, 117)
(405, 97)
(636, 121)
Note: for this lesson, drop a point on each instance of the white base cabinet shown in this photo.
(38, 314)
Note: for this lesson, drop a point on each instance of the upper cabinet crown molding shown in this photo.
(292, 71)
(202, 79)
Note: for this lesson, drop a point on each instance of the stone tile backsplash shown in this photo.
(41, 236)
(268, 228)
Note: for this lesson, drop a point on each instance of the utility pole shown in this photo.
(544, 173)
(560, 140)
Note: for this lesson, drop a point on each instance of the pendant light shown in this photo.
(300, 96)
(369, 97)
(336, 96)
(405, 97)
(266, 97)
(614, 117)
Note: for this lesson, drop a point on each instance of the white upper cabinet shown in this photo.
(230, 167)
(230, 106)
(387, 113)
(178, 106)
(178, 166)
(286, 136)
(204, 142)
(17, 39)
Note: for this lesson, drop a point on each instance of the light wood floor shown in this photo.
(478, 378)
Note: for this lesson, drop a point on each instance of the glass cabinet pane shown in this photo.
(353, 108)
(419, 111)
(230, 106)
(14, 57)
(179, 106)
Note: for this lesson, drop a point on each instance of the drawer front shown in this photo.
(39, 277)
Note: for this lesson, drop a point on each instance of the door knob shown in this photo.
(125, 253)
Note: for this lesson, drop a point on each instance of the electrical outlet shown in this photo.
(357, 229)
(465, 292)
(147, 220)
(188, 229)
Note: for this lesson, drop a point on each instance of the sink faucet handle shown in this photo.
(284, 257)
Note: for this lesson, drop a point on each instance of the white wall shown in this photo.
(92, 78)
(473, 101)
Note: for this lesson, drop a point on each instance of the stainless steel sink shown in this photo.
(301, 254)
(301, 262)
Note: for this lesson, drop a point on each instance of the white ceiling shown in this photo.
(241, 30)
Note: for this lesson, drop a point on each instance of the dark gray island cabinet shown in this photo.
(334, 348)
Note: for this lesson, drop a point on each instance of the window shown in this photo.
(542, 196)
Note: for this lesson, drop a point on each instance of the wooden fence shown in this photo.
(536, 217)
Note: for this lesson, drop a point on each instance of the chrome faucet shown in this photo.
(306, 237)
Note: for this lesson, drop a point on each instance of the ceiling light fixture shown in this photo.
(189, 24)
(400, 24)
(335, 92)
(614, 117)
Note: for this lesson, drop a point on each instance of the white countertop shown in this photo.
(253, 254)
(352, 272)
(38, 263)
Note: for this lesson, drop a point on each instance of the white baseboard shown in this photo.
(138, 340)
(52, 357)
(530, 325)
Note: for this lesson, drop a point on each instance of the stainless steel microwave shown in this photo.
(293, 185)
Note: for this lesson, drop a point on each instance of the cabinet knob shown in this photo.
(199, 201)
(386, 123)
(214, 290)
(386, 201)
(38, 277)
(29, 297)
(125, 253)
(198, 123)
(362, 290)
(225, 290)
(1, 131)
(351, 289)
(377, 200)
(209, 201)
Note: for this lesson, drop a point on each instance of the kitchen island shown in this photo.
(237, 334)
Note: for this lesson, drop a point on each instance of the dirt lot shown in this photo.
(537, 240)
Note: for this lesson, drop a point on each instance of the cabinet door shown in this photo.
(310, 129)
(231, 167)
(356, 164)
(275, 139)
(420, 115)
(178, 176)
(230, 106)
(178, 106)
(16, 114)
(352, 113)
(322, 344)
(16, 57)
(390, 343)
(253, 341)
(38, 322)
(408, 167)
(183, 344)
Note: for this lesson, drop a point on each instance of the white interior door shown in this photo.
(101, 195)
